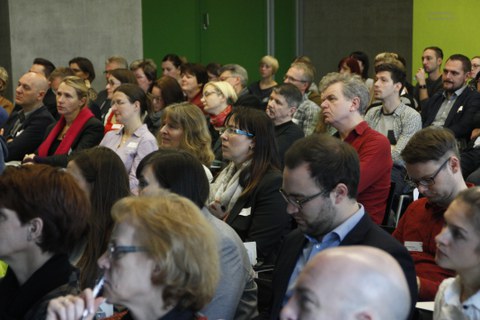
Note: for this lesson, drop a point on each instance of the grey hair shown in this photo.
(237, 71)
(353, 87)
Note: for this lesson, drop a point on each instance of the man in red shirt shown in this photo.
(433, 165)
(344, 99)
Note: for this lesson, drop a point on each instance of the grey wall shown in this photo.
(334, 28)
(59, 30)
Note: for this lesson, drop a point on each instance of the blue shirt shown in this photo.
(313, 246)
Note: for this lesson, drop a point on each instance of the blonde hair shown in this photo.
(180, 241)
(196, 138)
(81, 87)
(225, 89)
(270, 61)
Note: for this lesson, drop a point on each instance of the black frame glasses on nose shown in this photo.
(298, 203)
(430, 181)
(115, 252)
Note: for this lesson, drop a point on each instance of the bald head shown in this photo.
(30, 91)
(356, 282)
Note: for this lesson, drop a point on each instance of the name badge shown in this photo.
(415, 246)
(117, 126)
(246, 212)
(132, 145)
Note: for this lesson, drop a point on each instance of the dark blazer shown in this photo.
(90, 136)
(286, 134)
(459, 120)
(30, 135)
(267, 221)
(364, 233)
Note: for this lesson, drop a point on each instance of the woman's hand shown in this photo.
(72, 307)
(217, 209)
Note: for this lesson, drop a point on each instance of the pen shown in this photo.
(96, 291)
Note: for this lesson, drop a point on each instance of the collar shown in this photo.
(457, 93)
(452, 295)
(396, 113)
(136, 133)
(285, 124)
(341, 231)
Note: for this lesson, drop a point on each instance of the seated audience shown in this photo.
(458, 249)
(426, 87)
(179, 172)
(393, 118)
(76, 130)
(320, 182)
(349, 65)
(4, 102)
(263, 88)
(345, 98)
(101, 174)
(351, 282)
(133, 141)
(454, 107)
(161, 262)
(145, 71)
(171, 66)
(433, 165)
(55, 78)
(165, 91)
(46, 67)
(184, 127)
(301, 75)
(218, 98)
(284, 101)
(42, 216)
(116, 78)
(245, 193)
(193, 77)
(25, 128)
(83, 68)
(111, 63)
(237, 76)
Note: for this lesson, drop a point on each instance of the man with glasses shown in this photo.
(237, 76)
(433, 165)
(301, 75)
(320, 182)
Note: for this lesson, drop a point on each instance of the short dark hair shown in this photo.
(179, 172)
(85, 65)
(47, 65)
(397, 74)
(330, 161)
(466, 63)
(51, 194)
(149, 69)
(174, 59)
(170, 90)
(291, 93)
(197, 70)
(124, 76)
(429, 144)
(363, 57)
(438, 51)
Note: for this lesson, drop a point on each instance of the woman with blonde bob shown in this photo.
(161, 263)
(218, 98)
(184, 127)
(267, 67)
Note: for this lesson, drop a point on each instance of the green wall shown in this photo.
(450, 25)
(237, 32)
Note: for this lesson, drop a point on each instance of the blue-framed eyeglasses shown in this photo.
(429, 181)
(230, 131)
(115, 252)
(298, 203)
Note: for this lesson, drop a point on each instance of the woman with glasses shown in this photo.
(458, 249)
(161, 262)
(43, 214)
(133, 141)
(245, 193)
(185, 128)
(165, 91)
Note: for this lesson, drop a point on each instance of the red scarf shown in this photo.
(218, 120)
(77, 125)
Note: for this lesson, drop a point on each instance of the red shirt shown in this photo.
(197, 100)
(419, 226)
(373, 149)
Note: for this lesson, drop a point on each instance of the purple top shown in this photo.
(141, 143)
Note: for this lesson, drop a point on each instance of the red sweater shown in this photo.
(420, 224)
(373, 149)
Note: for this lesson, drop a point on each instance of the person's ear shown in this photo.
(35, 229)
(455, 164)
(291, 111)
(340, 192)
(355, 104)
